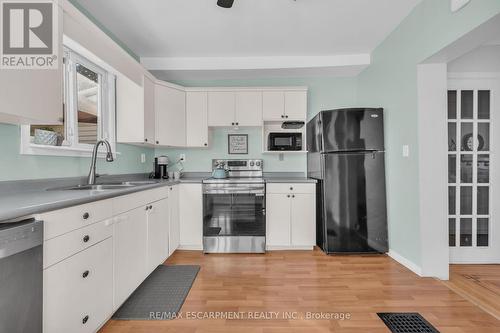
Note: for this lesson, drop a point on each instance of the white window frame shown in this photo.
(73, 54)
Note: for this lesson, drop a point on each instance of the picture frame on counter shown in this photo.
(237, 144)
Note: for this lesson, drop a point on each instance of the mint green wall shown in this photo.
(324, 93)
(14, 166)
(391, 81)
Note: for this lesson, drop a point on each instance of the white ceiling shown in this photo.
(252, 28)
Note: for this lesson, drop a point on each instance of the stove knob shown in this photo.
(251, 163)
(257, 163)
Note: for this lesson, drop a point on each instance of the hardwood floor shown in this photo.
(478, 283)
(309, 281)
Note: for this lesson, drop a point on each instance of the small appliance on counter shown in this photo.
(160, 167)
(284, 141)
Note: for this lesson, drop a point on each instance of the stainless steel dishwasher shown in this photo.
(21, 276)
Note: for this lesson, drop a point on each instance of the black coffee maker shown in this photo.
(160, 167)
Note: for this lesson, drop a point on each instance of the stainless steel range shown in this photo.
(234, 213)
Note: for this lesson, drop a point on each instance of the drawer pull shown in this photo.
(291, 188)
(85, 319)
(86, 216)
(150, 206)
(293, 196)
(85, 274)
(86, 238)
(288, 195)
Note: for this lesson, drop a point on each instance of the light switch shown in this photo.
(143, 158)
(406, 150)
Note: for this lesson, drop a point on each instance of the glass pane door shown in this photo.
(469, 168)
(230, 214)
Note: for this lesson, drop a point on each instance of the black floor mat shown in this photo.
(406, 323)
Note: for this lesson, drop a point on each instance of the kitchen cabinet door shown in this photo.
(34, 96)
(170, 109)
(221, 106)
(78, 292)
(295, 105)
(303, 220)
(129, 111)
(149, 110)
(278, 220)
(248, 108)
(158, 225)
(130, 253)
(191, 215)
(273, 105)
(174, 225)
(196, 119)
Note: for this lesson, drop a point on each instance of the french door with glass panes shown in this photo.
(473, 168)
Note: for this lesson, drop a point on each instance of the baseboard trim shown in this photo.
(405, 262)
(285, 248)
(191, 247)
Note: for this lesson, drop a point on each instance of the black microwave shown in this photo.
(282, 141)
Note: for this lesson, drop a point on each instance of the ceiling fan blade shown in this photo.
(225, 3)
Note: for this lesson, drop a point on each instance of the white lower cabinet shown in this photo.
(130, 253)
(78, 292)
(174, 219)
(291, 216)
(278, 219)
(191, 215)
(158, 216)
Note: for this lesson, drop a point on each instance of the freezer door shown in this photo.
(352, 129)
(314, 135)
(354, 203)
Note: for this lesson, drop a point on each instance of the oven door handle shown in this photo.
(257, 192)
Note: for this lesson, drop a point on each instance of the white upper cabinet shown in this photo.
(295, 105)
(248, 110)
(130, 111)
(170, 109)
(196, 119)
(273, 103)
(33, 96)
(221, 105)
(284, 105)
(149, 110)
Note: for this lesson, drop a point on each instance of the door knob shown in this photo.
(85, 319)
(85, 274)
(86, 238)
(86, 216)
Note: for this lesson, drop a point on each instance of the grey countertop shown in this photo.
(27, 197)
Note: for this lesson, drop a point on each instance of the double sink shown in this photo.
(104, 186)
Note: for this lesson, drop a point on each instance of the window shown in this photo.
(87, 114)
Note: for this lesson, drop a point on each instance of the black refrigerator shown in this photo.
(346, 157)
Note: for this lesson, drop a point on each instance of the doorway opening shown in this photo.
(473, 114)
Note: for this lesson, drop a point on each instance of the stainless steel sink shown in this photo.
(104, 186)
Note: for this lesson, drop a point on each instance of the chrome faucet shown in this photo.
(109, 158)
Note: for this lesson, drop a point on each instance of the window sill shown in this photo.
(34, 149)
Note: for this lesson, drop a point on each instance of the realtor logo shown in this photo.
(29, 35)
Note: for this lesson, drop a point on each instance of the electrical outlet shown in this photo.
(182, 157)
(143, 158)
(406, 150)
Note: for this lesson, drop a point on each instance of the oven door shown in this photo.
(234, 218)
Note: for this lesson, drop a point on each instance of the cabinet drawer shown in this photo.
(74, 303)
(64, 246)
(61, 221)
(131, 201)
(290, 188)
